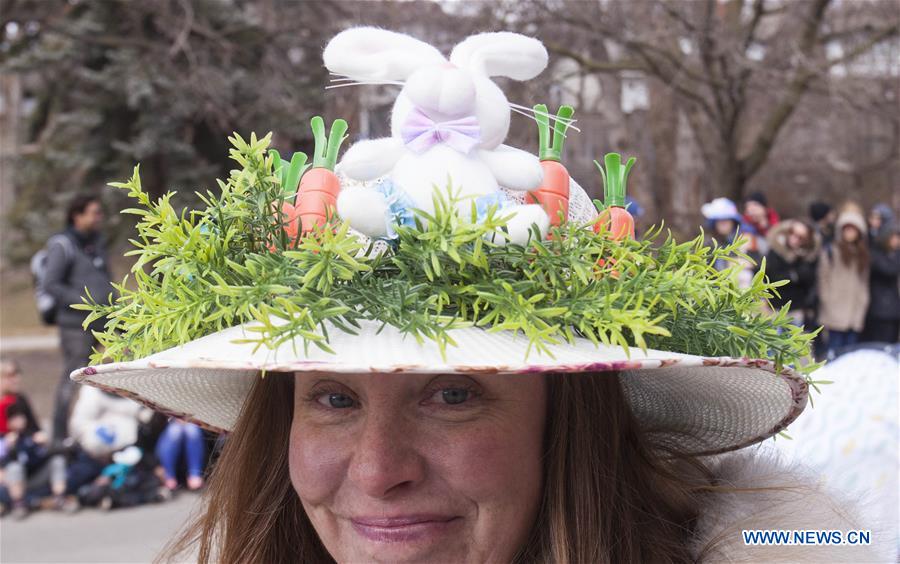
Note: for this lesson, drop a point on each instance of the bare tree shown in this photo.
(737, 69)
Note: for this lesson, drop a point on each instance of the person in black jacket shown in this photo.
(69, 274)
(883, 317)
(793, 252)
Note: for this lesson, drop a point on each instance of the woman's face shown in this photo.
(874, 220)
(755, 210)
(798, 236)
(419, 468)
(725, 227)
(894, 242)
(850, 234)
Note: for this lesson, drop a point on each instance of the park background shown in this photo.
(797, 99)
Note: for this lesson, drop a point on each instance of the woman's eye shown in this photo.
(452, 396)
(336, 400)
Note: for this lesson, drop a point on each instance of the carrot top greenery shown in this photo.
(230, 262)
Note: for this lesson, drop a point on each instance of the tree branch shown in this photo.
(878, 37)
(591, 64)
(765, 140)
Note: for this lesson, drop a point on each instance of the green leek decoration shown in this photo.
(327, 148)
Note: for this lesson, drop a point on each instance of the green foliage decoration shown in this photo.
(204, 270)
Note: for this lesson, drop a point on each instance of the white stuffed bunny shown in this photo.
(448, 124)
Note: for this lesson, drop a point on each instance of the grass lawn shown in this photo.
(18, 314)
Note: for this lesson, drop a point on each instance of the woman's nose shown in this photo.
(385, 460)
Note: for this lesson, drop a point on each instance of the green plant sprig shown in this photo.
(228, 263)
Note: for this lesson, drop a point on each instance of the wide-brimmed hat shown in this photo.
(690, 403)
(690, 347)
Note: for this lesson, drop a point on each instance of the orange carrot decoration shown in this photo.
(289, 174)
(553, 195)
(613, 215)
(319, 186)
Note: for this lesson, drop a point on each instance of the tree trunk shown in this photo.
(730, 182)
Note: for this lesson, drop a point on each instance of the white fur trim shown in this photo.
(501, 54)
(370, 53)
(759, 492)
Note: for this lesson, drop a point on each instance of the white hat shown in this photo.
(720, 208)
(692, 403)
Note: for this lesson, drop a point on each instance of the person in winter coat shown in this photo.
(725, 224)
(823, 217)
(758, 214)
(883, 318)
(103, 423)
(843, 275)
(72, 267)
(881, 219)
(793, 255)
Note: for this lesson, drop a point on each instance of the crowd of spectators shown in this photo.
(841, 265)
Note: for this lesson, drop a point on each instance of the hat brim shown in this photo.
(691, 404)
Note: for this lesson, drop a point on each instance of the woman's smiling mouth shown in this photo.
(404, 528)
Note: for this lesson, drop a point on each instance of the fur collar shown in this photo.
(777, 239)
(791, 499)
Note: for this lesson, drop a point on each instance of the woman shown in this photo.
(385, 449)
(882, 323)
(451, 400)
(794, 252)
(881, 218)
(843, 274)
(758, 214)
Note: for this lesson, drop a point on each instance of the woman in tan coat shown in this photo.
(843, 276)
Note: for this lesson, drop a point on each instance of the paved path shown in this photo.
(91, 535)
(29, 343)
(125, 535)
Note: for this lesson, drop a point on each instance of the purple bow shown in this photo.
(420, 132)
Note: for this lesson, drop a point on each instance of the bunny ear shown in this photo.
(501, 54)
(369, 53)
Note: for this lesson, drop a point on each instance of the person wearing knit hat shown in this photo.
(843, 276)
(446, 393)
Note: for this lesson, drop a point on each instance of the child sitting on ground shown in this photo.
(130, 480)
(23, 447)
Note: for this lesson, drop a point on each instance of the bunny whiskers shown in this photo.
(530, 113)
(340, 81)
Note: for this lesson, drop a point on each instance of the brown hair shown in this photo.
(854, 253)
(77, 206)
(609, 496)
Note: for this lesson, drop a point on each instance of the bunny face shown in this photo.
(439, 88)
(444, 92)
